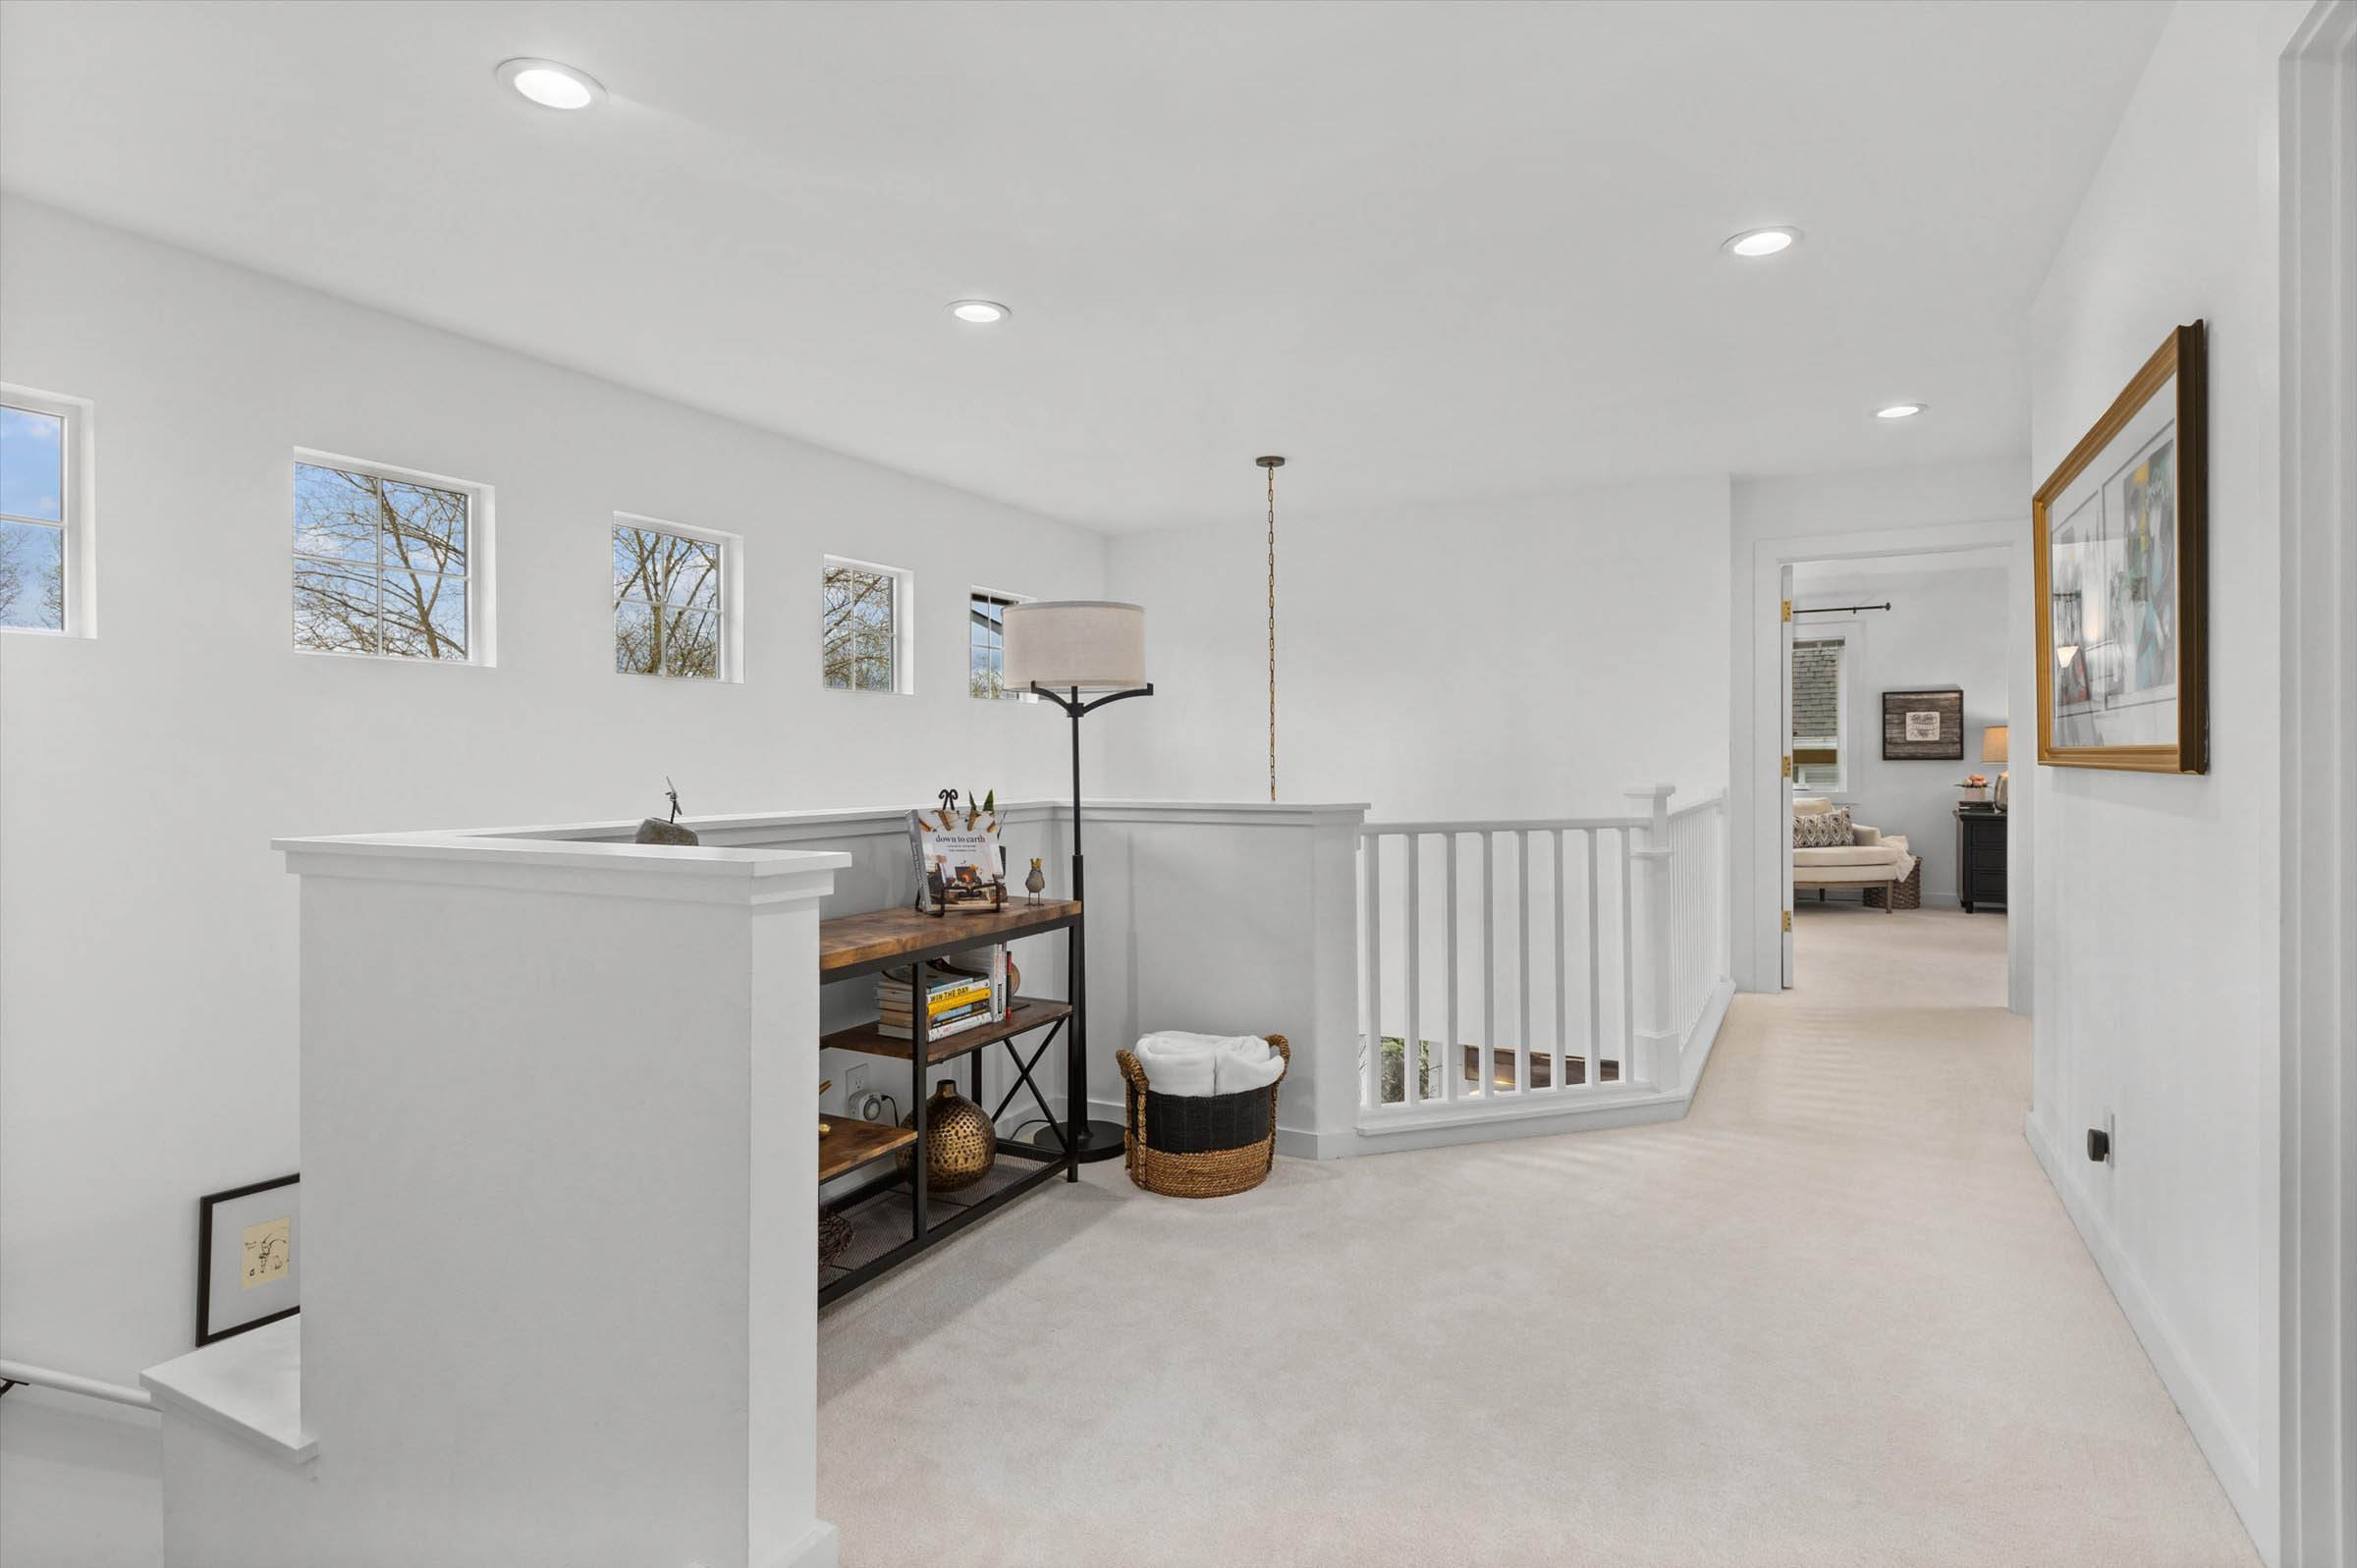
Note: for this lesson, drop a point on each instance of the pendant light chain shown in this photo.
(1272, 464)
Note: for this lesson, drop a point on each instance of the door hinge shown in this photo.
(1787, 609)
(1787, 922)
(1787, 765)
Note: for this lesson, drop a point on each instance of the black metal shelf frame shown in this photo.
(925, 1231)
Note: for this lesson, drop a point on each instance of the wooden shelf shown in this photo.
(1023, 1014)
(853, 1143)
(863, 944)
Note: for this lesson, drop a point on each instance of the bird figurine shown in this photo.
(1035, 882)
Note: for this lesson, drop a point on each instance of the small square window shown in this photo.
(385, 562)
(45, 553)
(673, 589)
(986, 645)
(864, 619)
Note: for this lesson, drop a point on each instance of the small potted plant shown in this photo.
(1976, 790)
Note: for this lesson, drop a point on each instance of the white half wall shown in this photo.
(1499, 659)
(147, 933)
(2159, 978)
(1947, 625)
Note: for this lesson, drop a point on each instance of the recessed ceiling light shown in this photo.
(1901, 410)
(1761, 242)
(981, 312)
(551, 86)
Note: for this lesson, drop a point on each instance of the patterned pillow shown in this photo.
(1824, 830)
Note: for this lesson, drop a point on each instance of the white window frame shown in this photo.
(1006, 693)
(1850, 632)
(731, 598)
(904, 628)
(481, 628)
(77, 510)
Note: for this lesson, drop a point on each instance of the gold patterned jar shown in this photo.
(960, 1144)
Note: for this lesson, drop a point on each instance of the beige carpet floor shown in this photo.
(1834, 1316)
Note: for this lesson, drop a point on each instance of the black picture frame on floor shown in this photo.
(267, 1220)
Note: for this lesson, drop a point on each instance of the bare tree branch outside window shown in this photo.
(667, 604)
(859, 628)
(986, 646)
(380, 565)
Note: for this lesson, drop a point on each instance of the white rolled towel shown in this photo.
(1244, 1062)
(1176, 1063)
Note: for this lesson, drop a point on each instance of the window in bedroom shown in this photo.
(1820, 705)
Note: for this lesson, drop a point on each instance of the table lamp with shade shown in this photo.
(1994, 744)
(1062, 650)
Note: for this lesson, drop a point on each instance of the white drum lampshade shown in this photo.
(1069, 644)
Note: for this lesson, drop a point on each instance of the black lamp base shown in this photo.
(1099, 1140)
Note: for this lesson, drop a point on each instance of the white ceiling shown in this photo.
(1424, 249)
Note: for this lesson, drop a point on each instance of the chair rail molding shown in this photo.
(2318, 1143)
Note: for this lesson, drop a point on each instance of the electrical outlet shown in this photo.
(854, 1084)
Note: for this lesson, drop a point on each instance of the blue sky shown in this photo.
(31, 467)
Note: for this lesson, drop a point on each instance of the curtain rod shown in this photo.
(1833, 610)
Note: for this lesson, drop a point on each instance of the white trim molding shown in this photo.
(1756, 832)
(2236, 1467)
(2319, 1141)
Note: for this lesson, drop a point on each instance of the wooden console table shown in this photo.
(871, 943)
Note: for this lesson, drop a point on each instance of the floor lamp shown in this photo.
(1060, 650)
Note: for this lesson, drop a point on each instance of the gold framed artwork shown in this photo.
(2119, 535)
(248, 1257)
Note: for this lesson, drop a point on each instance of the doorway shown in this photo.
(1960, 583)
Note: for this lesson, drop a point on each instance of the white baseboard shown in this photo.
(818, 1548)
(2230, 1460)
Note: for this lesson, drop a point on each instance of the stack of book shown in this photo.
(962, 992)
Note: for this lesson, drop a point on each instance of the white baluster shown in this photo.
(1373, 1087)
(1412, 1042)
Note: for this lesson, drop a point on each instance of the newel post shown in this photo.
(1657, 1042)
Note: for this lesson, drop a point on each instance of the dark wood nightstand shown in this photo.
(1980, 858)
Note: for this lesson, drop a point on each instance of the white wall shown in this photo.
(1945, 628)
(2157, 962)
(1903, 508)
(1526, 658)
(146, 930)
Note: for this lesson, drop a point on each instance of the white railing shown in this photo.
(1525, 963)
(12, 1373)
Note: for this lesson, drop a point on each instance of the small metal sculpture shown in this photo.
(656, 830)
(1035, 883)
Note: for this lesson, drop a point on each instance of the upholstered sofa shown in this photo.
(1879, 864)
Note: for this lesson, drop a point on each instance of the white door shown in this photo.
(1784, 744)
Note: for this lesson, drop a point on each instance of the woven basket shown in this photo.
(1908, 895)
(1200, 1146)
